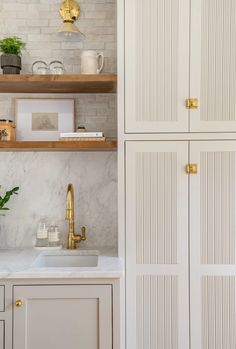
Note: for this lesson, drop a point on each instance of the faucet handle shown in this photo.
(83, 231)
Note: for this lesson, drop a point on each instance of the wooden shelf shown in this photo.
(109, 145)
(58, 83)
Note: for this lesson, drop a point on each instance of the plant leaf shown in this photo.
(6, 198)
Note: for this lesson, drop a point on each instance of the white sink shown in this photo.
(66, 260)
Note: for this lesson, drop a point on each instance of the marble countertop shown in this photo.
(15, 264)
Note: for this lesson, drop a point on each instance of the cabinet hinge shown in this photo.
(192, 169)
(192, 103)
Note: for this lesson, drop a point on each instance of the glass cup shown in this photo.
(40, 68)
(56, 68)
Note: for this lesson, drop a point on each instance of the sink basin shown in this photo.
(66, 260)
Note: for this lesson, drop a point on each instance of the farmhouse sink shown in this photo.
(75, 259)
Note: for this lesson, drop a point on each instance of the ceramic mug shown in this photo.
(92, 62)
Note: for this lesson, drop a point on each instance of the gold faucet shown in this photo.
(73, 239)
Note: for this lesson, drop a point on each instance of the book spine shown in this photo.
(85, 139)
(82, 135)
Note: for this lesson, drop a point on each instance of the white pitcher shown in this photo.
(91, 62)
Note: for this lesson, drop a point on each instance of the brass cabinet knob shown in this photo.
(18, 303)
(192, 103)
(191, 168)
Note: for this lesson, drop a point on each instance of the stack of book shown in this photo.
(82, 136)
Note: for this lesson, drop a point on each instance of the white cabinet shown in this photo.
(157, 245)
(167, 209)
(213, 245)
(213, 65)
(156, 65)
(158, 76)
(72, 317)
(179, 228)
(2, 335)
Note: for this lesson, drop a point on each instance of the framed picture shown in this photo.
(44, 119)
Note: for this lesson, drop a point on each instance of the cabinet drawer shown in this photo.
(2, 298)
(2, 336)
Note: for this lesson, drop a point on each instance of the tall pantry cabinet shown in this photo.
(177, 168)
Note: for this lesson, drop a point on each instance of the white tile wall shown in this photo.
(37, 22)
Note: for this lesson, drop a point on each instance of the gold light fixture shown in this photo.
(70, 12)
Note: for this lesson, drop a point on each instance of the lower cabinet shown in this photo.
(62, 316)
(157, 245)
(2, 336)
(181, 244)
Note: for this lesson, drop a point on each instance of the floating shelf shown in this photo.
(106, 83)
(109, 145)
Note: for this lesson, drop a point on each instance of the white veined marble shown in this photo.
(43, 180)
(16, 264)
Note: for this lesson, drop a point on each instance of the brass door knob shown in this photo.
(18, 303)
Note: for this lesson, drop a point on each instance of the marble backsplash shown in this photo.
(43, 178)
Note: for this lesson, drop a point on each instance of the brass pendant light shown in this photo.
(70, 12)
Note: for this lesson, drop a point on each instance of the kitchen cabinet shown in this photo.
(178, 108)
(180, 231)
(176, 50)
(2, 335)
(62, 316)
(212, 245)
(157, 245)
(213, 65)
(156, 65)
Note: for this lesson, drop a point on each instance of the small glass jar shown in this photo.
(54, 236)
(42, 233)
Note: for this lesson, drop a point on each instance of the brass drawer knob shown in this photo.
(18, 303)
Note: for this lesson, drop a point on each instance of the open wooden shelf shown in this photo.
(109, 145)
(106, 83)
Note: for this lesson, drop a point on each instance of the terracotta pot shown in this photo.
(11, 64)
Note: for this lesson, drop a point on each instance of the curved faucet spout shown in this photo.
(70, 203)
(73, 239)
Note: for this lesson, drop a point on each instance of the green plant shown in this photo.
(6, 198)
(12, 45)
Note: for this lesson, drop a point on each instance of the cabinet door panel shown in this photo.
(2, 298)
(212, 243)
(213, 65)
(156, 65)
(2, 336)
(62, 317)
(157, 245)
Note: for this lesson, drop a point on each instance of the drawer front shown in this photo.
(2, 336)
(2, 298)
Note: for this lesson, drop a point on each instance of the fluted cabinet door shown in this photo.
(157, 245)
(212, 245)
(213, 65)
(156, 65)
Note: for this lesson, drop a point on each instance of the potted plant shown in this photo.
(11, 48)
(4, 199)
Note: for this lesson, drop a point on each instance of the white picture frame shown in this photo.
(43, 119)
